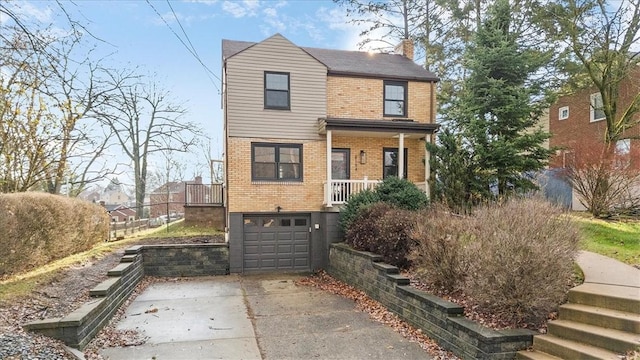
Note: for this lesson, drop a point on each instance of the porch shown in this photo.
(360, 153)
(338, 192)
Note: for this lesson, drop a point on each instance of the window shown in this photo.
(563, 113)
(597, 108)
(395, 98)
(276, 162)
(390, 156)
(276, 91)
(623, 147)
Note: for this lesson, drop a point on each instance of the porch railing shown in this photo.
(201, 194)
(338, 192)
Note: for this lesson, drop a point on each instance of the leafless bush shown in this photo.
(521, 259)
(38, 228)
(438, 256)
(603, 177)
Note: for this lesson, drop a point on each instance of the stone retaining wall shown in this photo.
(79, 327)
(186, 260)
(441, 320)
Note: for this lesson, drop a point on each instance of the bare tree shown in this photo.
(599, 36)
(50, 86)
(145, 120)
(604, 177)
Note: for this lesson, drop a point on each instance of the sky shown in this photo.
(150, 34)
(146, 34)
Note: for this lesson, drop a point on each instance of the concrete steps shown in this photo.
(569, 349)
(609, 339)
(535, 355)
(599, 322)
(613, 297)
(592, 315)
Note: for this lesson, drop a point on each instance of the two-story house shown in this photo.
(577, 122)
(305, 128)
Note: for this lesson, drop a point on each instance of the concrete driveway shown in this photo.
(254, 317)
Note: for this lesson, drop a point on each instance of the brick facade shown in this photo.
(578, 129)
(362, 98)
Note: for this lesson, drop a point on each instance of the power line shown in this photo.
(191, 49)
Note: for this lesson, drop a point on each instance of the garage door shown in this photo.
(276, 242)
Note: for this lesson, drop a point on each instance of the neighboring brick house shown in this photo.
(180, 193)
(304, 129)
(577, 122)
(120, 213)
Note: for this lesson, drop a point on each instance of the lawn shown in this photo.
(616, 239)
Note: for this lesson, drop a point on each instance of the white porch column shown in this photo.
(401, 155)
(427, 165)
(328, 185)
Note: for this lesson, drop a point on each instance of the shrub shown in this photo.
(363, 234)
(355, 203)
(438, 255)
(383, 229)
(402, 194)
(521, 260)
(38, 228)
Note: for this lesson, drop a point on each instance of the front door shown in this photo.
(340, 171)
(340, 164)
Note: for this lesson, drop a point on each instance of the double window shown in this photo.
(395, 98)
(597, 107)
(390, 156)
(276, 91)
(276, 162)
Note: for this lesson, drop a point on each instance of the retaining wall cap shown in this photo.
(389, 269)
(365, 254)
(482, 332)
(128, 258)
(182, 246)
(443, 305)
(79, 316)
(105, 287)
(399, 279)
(120, 269)
(42, 324)
(519, 334)
(133, 250)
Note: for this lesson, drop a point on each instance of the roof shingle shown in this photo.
(355, 63)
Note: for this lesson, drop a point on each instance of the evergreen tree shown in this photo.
(500, 105)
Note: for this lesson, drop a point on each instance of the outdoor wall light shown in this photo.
(363, 157)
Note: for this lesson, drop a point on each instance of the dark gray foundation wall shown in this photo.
(328, 233)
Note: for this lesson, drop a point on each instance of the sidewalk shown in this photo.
(603, 270)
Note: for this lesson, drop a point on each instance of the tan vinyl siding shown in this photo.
(246, 116)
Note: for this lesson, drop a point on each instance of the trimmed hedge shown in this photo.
(38, 228)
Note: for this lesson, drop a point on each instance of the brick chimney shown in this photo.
(405, 48)
(198, 180)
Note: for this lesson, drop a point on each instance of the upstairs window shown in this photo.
(597, 107)
(395, 98)
(276, 91)
(563, 113)
(276, 162)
